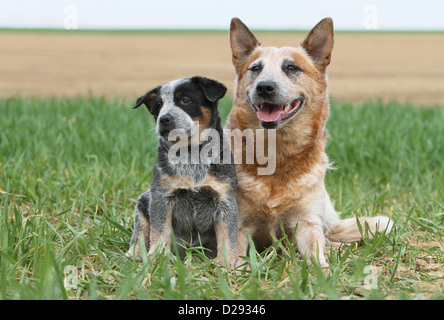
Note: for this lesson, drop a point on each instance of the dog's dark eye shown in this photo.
(255, 68)
(185, 101)
(293, 68)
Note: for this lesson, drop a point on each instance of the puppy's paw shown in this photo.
(221, 260)
(131, 255)
(232, 262)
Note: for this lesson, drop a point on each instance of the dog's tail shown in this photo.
(348, 230)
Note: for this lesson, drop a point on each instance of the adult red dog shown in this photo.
(285, 89)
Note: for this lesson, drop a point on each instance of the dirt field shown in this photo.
(407, 67)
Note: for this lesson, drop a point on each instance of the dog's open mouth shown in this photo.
(267, 112)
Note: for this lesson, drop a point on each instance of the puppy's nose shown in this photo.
(165, 119)
(265, 88)
(165, 124)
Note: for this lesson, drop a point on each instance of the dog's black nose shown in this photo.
(265, 88)
(165, 119)
(165, 124)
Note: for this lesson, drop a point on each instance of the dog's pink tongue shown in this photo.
(269, 113)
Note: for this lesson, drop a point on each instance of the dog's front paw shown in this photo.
(323, 265)
(221, 260)
(133, 255)
(232, 262)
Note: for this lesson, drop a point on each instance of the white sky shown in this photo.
(211, 14)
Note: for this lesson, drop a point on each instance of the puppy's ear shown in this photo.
(319, 43)
(213, 90)
(242, 42)
(151, 100)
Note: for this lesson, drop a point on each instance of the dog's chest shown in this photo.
(257, 195)
(274, 194)
(194, 201)
(197, 185)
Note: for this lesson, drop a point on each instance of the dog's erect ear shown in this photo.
(242, 42)
(213, 90)
(319, 43)
(151, 100)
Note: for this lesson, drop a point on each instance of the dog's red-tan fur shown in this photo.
(295, 193)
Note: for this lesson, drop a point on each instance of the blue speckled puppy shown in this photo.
(195, 200)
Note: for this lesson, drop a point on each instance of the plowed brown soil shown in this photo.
(406, 67)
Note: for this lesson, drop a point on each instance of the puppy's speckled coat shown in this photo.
(196, 201)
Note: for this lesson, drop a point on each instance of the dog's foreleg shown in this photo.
(160, 226)
(141, 233)
(227, 236)
(310, 240)
(242, 244)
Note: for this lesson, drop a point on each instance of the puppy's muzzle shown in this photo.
(166, 124)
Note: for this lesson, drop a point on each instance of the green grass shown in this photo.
(71, 171)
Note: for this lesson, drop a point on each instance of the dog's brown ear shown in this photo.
(151, 100)
(242, 42)
(319, 43)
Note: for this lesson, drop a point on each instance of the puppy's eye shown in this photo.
(255, 68)
(185, 101)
